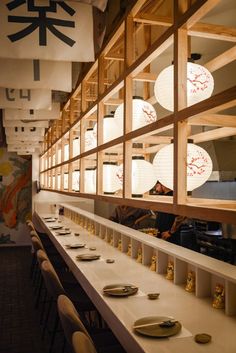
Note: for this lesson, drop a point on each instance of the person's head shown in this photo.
(160, 188)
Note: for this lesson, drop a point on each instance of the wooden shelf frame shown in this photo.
(97, 91)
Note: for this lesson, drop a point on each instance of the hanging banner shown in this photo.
(24, 132)
(19, 114)
(100, 4)
(25, 123)
(30, 74)
(46, 30)
(25, 98)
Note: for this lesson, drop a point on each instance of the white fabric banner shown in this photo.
(27, 123)
(20, 114)
(30, 74)
(24, 132)
(46, 30)
(100, 4)
(25, 98)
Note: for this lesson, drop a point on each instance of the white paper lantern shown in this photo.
(53, 182)
(143, 176)
(143, 114)
(66, 152)
(111, 128)
(111, 182)
(59, 156)
(200, 85)
(90, 180)
(90, 139)
(59, 181)
(76, 146)
(75, 180)
(199, 166)
(65, 186)
(49, 181)
(53, 159)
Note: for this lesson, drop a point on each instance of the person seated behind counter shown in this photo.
(129, 216)
(168, 224)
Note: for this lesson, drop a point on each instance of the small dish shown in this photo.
(153, 296)
(110, 261)
(63, 232)
(88, 257)
(76, 234)
(74, 246)
(56, 227)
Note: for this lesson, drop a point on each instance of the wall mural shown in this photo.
(15, 197)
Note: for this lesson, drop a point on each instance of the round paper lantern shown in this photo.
(90, 180)
(59, 181)
(199, 166)
(111, 128)
(76, 146)
(66, 152)
(75, 180)
(90, 139)
(53, 181)
(143, 176)
(143, 114)
(65, 186)
(111, 182)
(59, 156)
(200, 85)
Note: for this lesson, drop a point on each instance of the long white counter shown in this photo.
(195, 314)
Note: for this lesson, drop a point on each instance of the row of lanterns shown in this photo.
(145, 174)
(200, 86)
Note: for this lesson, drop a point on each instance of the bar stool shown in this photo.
(103, 339)
(54, 289)
(82, 344)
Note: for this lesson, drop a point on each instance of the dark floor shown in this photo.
(19, 320)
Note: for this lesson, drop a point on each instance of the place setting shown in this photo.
(120, 290)
(75, 246)
(88, 257)
(157, 326)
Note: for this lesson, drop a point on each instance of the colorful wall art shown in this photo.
(15, 198)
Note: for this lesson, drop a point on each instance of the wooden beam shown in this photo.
(213, 134)
(199, 10)
(221, 60)
(213, 31)
(146, 77)
(213, 120)
(152, 19)
(153, 140)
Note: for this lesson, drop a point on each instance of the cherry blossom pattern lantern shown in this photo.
(143, 113)
(200, 85)
(90, 139)
(111, 128)
(90, 180)
(75, 180)
(111, 182)
(143, 176)
(76, 146)
(199, 166)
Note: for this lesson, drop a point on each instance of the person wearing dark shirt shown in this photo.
(168, 224)
(129, 216)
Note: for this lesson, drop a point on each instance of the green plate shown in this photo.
(120, 289)
(156, 330)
